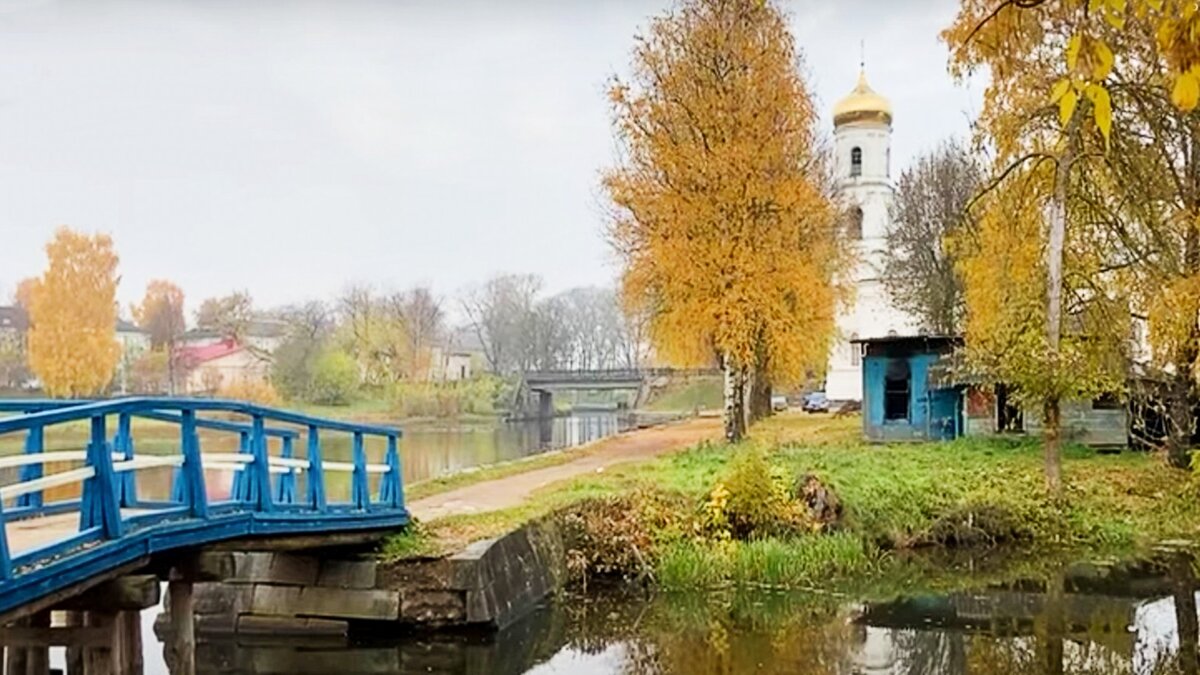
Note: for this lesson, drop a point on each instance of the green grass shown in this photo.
(775, 563)
(895, 497)
(703, 393)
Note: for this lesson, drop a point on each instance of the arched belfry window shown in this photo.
(855, 350)
(854, 227)
(856, 162)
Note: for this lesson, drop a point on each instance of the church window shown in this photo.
(854, 229)
(855, 350)
(856, 162)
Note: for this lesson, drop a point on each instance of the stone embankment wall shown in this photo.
(489, 584)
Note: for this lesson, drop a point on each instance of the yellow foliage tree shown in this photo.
(1094, 43)
(1045, 311)
(161, 315)
(73, 313)
(723, 215)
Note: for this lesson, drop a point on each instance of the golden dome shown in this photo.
(862, 105)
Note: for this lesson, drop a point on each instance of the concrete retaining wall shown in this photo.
(489, 584)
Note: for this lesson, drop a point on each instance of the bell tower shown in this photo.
(862, 136)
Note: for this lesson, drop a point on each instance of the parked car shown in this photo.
(779, 403)
(815, 402)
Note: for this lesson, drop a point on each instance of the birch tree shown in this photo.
(721, 214)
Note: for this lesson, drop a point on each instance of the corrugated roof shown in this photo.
(193, 356)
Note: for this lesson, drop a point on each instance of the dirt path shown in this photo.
(511, 491)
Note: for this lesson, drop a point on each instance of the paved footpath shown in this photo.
(512, 490)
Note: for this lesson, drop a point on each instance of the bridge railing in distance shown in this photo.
(115, 525)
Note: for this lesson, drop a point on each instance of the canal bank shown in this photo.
(878, 524)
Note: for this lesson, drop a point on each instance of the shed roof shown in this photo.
(922, 340)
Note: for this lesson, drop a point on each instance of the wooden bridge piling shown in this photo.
(182, 648)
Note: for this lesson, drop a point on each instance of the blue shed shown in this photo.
(906, 393)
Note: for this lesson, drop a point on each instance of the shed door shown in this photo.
(874, 370)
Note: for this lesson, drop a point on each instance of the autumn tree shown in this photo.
(229, 315)
(500, 313)
(930, 210)
(161, 315)
(23, 296)
(721, 208)
(422, 324)
(73, 312)
(294, 363)
(1045, 312)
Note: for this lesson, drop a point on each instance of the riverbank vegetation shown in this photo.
(805, 503)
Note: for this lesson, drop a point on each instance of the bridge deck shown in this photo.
(29, 534)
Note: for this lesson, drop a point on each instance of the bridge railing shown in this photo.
(265, 479)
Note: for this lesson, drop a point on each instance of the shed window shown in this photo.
(1107, 402)
(856, 162)
(896, 384)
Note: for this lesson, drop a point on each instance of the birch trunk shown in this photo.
(735, 400)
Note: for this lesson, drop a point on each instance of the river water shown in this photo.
(1082, 618)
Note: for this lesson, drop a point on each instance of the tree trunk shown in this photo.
(735, 400)
(1052, 445)
(1057, 218)
(1180, 420)
(760, 395)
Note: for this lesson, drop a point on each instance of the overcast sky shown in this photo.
(291, 148)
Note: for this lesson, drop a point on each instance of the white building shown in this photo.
(863, 145)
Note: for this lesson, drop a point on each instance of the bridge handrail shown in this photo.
(151, 404)
(38, 405)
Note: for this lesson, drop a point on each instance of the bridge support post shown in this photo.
(360, 495)
(545, 405)
(182, 648)
(123, 443)
(100, 505)
(32, 659)
(33, 445)
(316, 471)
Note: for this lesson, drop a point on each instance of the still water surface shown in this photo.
(1125, 617)
(1077, 619)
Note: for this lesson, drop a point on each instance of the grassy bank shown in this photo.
(717, 515)
(694, 393)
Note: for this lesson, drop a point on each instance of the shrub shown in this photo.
(334, 379)
(758, 504)
(445, 399)
(254, 391)
(618, 536)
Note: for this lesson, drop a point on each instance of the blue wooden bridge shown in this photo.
(86, 519)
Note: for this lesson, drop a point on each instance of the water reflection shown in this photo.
(1079, 619)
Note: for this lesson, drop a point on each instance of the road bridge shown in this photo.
(543, 384)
